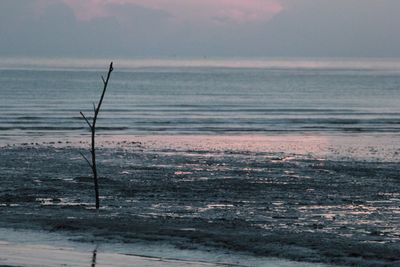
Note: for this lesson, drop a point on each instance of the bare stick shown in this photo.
(92, 126)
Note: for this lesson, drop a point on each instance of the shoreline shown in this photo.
(373, 147)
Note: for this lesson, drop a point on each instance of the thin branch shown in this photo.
(104, 91)
(87, 121)
(88, 162)
(96, 110)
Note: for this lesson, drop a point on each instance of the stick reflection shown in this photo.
(94, 257)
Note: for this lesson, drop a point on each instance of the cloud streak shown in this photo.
(204, 11)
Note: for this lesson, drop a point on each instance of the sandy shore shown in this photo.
(46, 256)
(43, 256)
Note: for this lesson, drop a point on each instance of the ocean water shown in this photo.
(44, 97)
(295, 159)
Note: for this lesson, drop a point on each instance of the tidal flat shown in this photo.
(332, 200)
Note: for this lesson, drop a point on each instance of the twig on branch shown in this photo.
(88, 162)
(87, 121)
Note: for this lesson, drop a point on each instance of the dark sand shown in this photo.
(329, 199)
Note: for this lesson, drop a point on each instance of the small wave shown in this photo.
(29, 118)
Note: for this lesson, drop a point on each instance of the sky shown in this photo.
(199, 28)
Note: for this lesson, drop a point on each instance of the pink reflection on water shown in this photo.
(299, 144)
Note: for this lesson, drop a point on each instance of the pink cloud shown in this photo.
(237, 11)
(88, 9)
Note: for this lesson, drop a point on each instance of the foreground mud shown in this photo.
(289, 205)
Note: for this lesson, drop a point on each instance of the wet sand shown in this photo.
(43, 256)
(26, 248)
(328, 199)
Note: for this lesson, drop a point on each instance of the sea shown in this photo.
(245, 159)
(201, 96)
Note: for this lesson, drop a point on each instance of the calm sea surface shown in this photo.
(44, 97)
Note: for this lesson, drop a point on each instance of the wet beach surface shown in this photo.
(299, 206)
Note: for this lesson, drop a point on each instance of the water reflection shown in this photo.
(94, 257)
